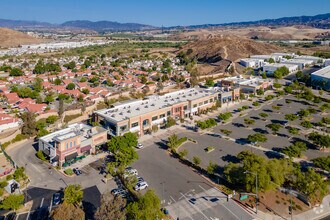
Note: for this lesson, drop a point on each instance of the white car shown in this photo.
(140, 186)
(139, 146)
(130, 172)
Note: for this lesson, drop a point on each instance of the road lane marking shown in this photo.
(172, 198)
(42, 202)
(223, 205)
(28, 215)
(195, 207)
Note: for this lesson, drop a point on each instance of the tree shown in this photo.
(68, 211)
(197, 161)
(322, 162)
(257, 137)
(209, 83)
(260, 91)
(225, 116)
(57, 81)
(16, 72)
(303, 113)
(211, 168)
(71, 65)
(293, 130)
(71, 86)
(147, 207)
(49, 99)
(37, 85)
(29, 124)
(12, 202)
(249, 121)
(275, 127)
(123, 148)
(61, 107)
(111, 207)
(277, 85)
(306, 124)
(322, 141)
(73, 195)
(263, 115)
(311, 184)
(183, 153)
(291, 117)
(170, 122)
(295, 150)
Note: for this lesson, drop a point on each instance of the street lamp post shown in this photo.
(257, 197)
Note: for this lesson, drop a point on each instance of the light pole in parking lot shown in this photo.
(163, 183)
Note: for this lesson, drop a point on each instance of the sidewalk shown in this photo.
(86, 161)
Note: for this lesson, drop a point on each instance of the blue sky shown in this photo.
(159, 12)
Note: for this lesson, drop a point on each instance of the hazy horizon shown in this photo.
(169, 13)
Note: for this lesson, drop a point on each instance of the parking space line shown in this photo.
(42, 202)
(51, 205)
(196, 208)
(172, 198)
(28, 215)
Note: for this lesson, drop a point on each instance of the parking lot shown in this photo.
(176, 184)
(283, 138)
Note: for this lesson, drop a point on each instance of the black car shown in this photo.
(77, 171)
(57, 198)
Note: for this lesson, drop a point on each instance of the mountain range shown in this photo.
(318, 21)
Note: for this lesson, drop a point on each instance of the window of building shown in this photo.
(211, 100)
(67, 145)
(70, 144)
(200, 104)
(195, 106)
(135, 124)
(205, 102)
(168, 113)
(162, 116)
(74, 143)
(185, 107)
(123, 128)
(154, 118)
(177, 109)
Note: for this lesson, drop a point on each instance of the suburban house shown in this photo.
(65, 146)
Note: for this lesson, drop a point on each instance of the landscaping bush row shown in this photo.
(18, 138)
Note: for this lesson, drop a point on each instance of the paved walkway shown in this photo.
(86, 161)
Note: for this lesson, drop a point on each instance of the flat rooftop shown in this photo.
(83, 130)
(152, 103)
(324, 72)
(280, 65)
(246, 81)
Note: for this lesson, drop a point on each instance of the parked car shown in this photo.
(57, 198)
(122, 194)
(117, 191)
(140, 179)
(11, 216)
(139, 146)
(140, 186)
(42, 213)
(77, 171)
(131, 172)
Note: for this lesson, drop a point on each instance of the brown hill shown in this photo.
(11, 38)
(216, 53)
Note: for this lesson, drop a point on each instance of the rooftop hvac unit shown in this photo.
(113, 115)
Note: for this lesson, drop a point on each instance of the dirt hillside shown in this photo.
(216, 53)
(11, 38)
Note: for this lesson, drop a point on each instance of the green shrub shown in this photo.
(52, 119)
(6, 144)
(41, 155)
(68, 171)
(18, 138)
(9, 177)
(3, 184)
(71, 117)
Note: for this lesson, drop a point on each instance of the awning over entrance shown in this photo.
(86, 148)
(71, 156)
